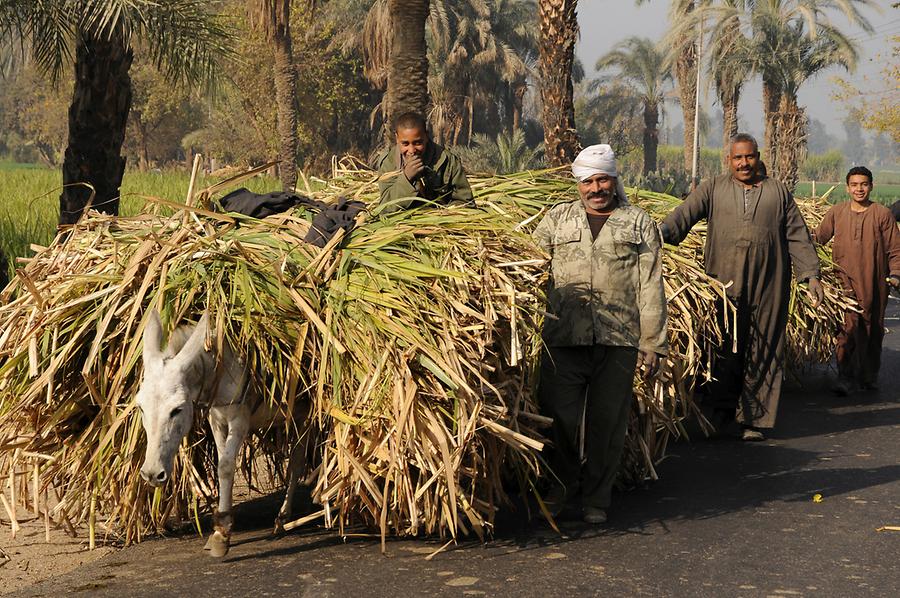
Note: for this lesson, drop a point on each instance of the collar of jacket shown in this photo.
(619, 216)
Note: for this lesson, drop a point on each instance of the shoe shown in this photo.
(594, 515)
(751, 434)
(841, 388)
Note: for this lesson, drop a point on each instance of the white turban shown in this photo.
(596, 159)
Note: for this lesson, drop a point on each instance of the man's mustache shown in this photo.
(598, 194)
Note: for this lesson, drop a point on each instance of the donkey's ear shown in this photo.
(194, 345)
(152, 338)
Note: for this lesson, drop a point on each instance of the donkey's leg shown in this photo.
(220, 434)
(296, 464)
(237, 426)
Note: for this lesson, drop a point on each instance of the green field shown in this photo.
(31, 198)
(886, 193)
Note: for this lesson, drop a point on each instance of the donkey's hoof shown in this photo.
(217, 545)
(278, 530)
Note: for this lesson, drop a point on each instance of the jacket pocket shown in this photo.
(566, 235)
(626, 243)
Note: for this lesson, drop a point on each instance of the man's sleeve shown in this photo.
(800, 246)
(395, 186)
(825, 231)
(895, 210)
(543, 232)
(892, 244)
(652, 294)
(679, 222)
(460, 184)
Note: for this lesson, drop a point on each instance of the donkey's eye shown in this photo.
(175, 412)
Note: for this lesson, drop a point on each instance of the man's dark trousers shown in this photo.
(604, 376)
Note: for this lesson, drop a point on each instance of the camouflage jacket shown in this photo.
(609, 290)
(443, 181)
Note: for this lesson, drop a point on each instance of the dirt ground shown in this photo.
(28, 558)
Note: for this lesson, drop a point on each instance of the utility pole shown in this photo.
(695, 178)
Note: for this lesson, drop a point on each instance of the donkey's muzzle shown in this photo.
(154, 478)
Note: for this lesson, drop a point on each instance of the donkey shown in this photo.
(185, 375)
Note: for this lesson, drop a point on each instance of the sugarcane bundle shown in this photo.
(415, 337)
(415, 341)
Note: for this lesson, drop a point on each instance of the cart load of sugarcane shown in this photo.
(414, 338)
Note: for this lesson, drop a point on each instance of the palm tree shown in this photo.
(480, 55)
(776, 25)
(407, 76)
(508, 152)
(729, 55)
(478, 52)
(274, 18)
(684, 66)
(182, 36)
(608, 110)
(641, 66)
(803, 57)
(559, 31)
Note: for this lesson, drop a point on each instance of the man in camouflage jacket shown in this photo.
(607, 312)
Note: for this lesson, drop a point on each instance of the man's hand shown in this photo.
(413, 168)
(894, 281)
(815, 291)
(648, 363)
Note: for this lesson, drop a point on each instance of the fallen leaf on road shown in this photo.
(888, 528)
(462, 581)
(817, 498)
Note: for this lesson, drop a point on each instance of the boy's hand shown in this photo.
(894, 281)
(413, 168)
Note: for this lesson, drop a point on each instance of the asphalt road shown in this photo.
(726, 519)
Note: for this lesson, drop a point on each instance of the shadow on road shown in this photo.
(699, 480)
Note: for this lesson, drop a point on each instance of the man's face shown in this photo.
(412, 142)
(744, 160)
(859, 187)
(598, 193)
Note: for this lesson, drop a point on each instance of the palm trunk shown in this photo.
(729, 98)
(651, 136)
(144, 149)
(285, 94)
(686, 82)
(471, 119)
(559, 31)
(686, 78)
(792, 135)
(98, 116)
(518, 104)
(407, 89)
(771, 102)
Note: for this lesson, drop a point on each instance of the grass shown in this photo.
(882, 193)
(30, 195)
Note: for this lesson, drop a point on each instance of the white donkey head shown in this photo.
(167, 393)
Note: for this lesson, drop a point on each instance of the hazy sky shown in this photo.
(606, 22)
